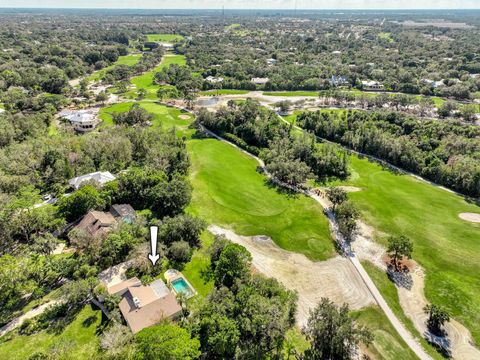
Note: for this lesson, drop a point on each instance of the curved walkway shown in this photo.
(397, 324)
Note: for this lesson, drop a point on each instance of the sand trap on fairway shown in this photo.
(472, 217)
(335, 278)
(184, 117)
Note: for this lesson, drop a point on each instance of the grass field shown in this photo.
(387, 344)
(228, 191)
(199, 264)
(145, 81)
(446, 246)
(164, 37)
(390, 294)
(164, 116)
(129, 60)
(79, 339)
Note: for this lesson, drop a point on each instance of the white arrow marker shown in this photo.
(153, 256)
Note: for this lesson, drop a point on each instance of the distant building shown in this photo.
(143, 306)
(81, 120)
(213, 79)
(260, 81)
(371, 85)
(338, 80)
(100, 177)
(271, 61)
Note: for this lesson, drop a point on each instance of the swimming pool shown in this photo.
(180, 285)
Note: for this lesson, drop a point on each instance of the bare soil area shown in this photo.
(335, 278)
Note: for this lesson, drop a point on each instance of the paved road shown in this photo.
(397, 324)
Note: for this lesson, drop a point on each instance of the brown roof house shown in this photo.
(96, 223)
(143, 306)
(99, 223)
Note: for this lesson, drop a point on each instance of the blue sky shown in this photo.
(249, 4)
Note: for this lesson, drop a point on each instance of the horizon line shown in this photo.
(220, 8)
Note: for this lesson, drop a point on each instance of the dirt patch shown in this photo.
(350, 188)
(472, 217)
(335, 278)
(184, 117)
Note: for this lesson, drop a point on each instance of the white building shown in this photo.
(372, 85)
(101, 177)
(81, 120)
(260, 81)
(213, 79)
(271, 61)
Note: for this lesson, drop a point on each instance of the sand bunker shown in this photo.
(335, 278)
(472, 217)
(184, 117)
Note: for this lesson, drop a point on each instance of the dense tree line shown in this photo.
(289, 158)
(447, 153)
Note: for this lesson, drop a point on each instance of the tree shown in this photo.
(234, 263)
(180, 252)
(347, 215)
(437, 316)
(102, 97)
(115, 338)
(398, 247)
(80, 202)
(166, 342)
(468, 112)
(336, 195)
(333, 333)
(141, 93)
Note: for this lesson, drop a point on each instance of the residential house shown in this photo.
(124, 212)
(271, 61)
(213, 79)
(81, 120)
(143, 306)
(100, 177)
(338, 80)
(96, 223)
(370, 85)
(260, 81)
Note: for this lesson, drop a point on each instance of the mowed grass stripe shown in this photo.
(446, 246)
(228, 191)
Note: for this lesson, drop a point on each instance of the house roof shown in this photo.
(122, 287)
(101, 177)
(96, 223)
(144, 306)
(122, 210)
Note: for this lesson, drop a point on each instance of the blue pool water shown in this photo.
(181, 286)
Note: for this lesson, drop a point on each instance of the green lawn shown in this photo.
(199, 264)
(130, 60)
(164, 116)
(145, 81)
(228, 191)
(164, 37)
(390, 294)
(387, 344)
(79, 338)
(446, 246)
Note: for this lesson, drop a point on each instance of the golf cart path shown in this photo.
(397, 324)
(28, 315)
